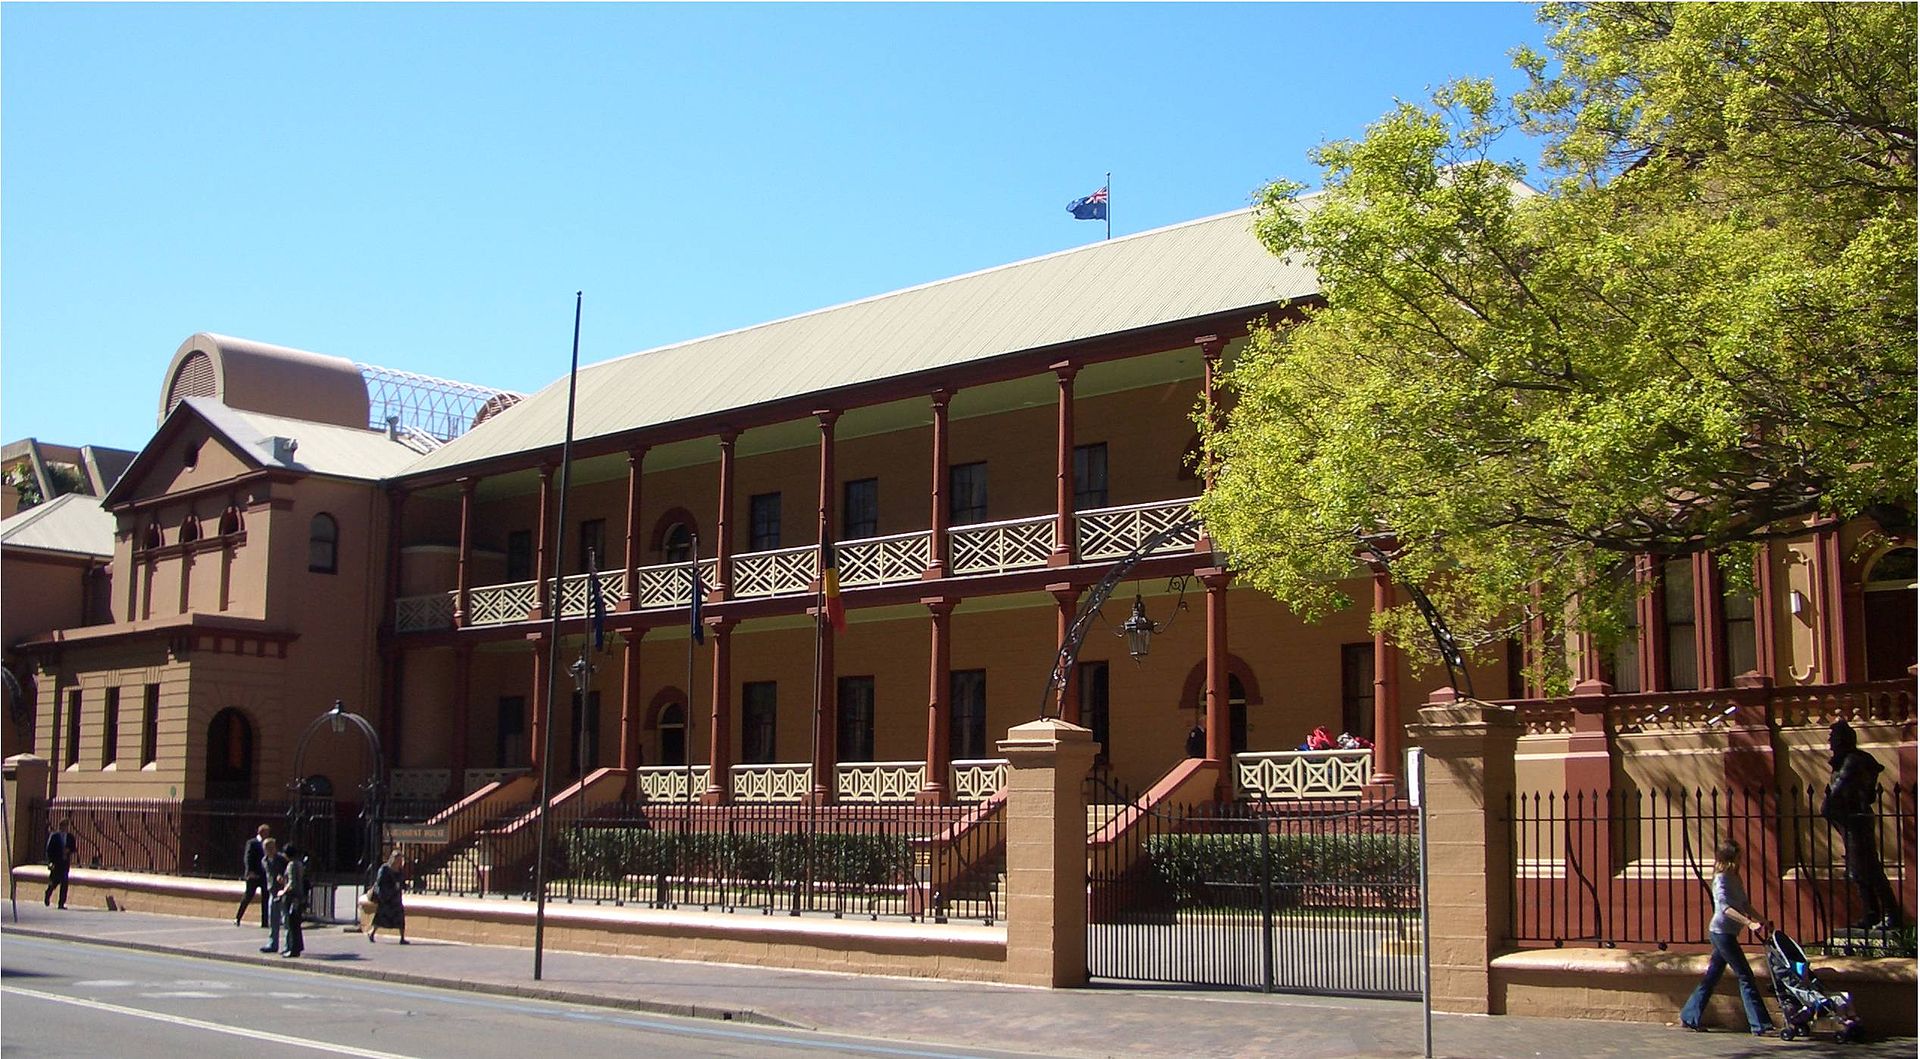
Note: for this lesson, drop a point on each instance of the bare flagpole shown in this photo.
(1109, 191)
(553, 654)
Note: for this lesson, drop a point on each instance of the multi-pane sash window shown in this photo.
(323, 544)
(510, 731)
(73, 727)
(110, 728)
(967, 493)
(1676, 585)
(673, 735)
(856, 719)
(520, 555)
(1093, 705)
(758, 707)
(1742, 647)
(967, 738)
(763, 522)
(150, 726)
(593, 541)
(1356, 689)
(1089, 476)
(860, 511)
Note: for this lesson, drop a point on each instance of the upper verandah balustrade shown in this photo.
(981, 548)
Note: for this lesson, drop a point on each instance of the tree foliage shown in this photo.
(1697, 334)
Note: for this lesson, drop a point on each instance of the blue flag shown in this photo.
(596, 606)
(694, 627)
(1091, 208)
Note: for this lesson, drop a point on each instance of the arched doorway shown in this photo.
(673, 734)
(1889, 605)
(229, 757)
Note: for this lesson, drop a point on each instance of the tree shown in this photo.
(1698, 335)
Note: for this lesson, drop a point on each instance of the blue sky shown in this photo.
(424, 187)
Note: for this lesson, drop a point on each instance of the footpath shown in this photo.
(1092, 1022)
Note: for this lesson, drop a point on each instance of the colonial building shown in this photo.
(978, 451)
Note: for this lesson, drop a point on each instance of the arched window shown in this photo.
(230, 521)
(679, 545)
(151, 539)
(229, 756)
(323, 544)
(189, 530)
(1889, 604)
(190, 456)
(673, 735)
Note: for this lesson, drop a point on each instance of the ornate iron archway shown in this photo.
(305, 801)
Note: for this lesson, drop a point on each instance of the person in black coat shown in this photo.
(390, 909)
(1849, 807)
(274, 866)
(253, 871)
(62, 848)
(292, 898)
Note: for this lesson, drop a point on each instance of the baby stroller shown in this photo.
(1801, 998)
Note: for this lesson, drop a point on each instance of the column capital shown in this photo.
(548, 465)
(1064, 369)
(1210, 346)
(940, 606)
(721, 623)
(827, 416)
(1214, 577)
(637, 453)
(729, 435)
(467, 485)
(941, 396)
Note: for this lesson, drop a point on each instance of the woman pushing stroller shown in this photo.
(1731, 914)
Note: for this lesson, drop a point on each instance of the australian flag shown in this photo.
(1091, 208)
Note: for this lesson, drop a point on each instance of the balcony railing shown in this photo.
(772, 783)
(670, 783)
(862, 782)
(1111, 532)
(879, 781)
(1291, 775)
(996, 547)
(988, 547)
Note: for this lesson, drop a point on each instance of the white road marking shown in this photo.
(183, 994)
(104, 983)
(201, 1024)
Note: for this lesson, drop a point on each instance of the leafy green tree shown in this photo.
(1697, 334)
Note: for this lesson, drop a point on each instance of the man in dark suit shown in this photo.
(253, 871)
(292, 899)
(62, 848)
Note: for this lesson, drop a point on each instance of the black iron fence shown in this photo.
(1308, 896)
(164, 836)
(1634, 868)
(917, 861)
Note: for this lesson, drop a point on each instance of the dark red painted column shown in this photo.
(937, 548)
(1386, 691)
(543, 545)
(631, 706)
(1219, 710)
(939, 701)
(1066, 604)
(464, 572)
(629, 583)
(1210, 347)
(723, 525)
(720, 720)
(537, 719)
(1709, 623)
(1063, 525)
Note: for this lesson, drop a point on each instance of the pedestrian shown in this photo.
(1849, 807)
(62, 848)
(1196, 741)
(273, 865)
(1731, 912)
(389, 909)
(253, 872)
(292, 895)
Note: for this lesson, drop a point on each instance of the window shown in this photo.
(593, 544)
(110, 728)
(323, 544)
(758, 706)
(230, 521)
(1742, 646)
(763, 522)
(967, 689)
(189, 530)
(860, 509)
(856, 719)
(585, 734)
(1093, 705)
(1888, 600)
(1089, 476)
(520, 555)
(190, 456)
(1676, 588)
(1626, 654)
(152, 538)
(1356, 689)
(73, 728)
(509, 733)
(150, 726)
(967, 493)
(673, 735)
(679, 543)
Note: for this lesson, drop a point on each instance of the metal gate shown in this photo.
(1311, 897)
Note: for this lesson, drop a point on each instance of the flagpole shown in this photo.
(1109, 191)
(819, 640)
(693, 607)
(553, 653)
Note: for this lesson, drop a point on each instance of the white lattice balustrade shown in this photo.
(478, 778)
(771, 783)
(423, 613)
(780, 572)
(1111, 532)
(883, 560)
(670, 783)
(878, 781)
(1294, 774)
(418, 785)
(500, 604)
(977, 779)
(994, 547)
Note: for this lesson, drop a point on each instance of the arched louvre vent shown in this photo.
(195, 378)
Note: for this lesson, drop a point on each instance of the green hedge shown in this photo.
(609, 854)
(1318, 870)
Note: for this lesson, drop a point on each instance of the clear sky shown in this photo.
(424, 187)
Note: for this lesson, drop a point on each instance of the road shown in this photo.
(68, 999)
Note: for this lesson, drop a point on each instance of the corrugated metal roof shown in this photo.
(1190, 270)
(71, 523)
(320, 448)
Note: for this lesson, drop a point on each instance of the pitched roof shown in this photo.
(1199, 268)
(73, 523)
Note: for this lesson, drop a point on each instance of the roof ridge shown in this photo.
(1086, 248)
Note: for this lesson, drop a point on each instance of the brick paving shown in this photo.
(1077, 1022)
